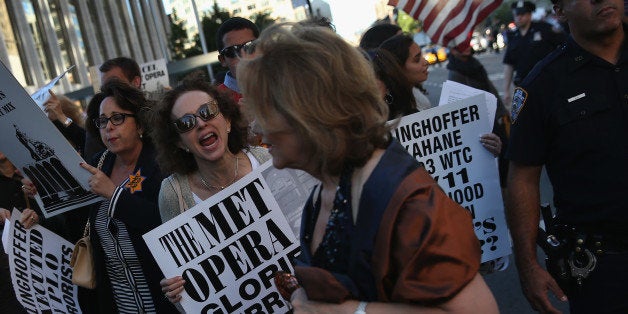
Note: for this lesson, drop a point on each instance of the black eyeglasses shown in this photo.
(236, 50)
(187, 122)
(116, 119)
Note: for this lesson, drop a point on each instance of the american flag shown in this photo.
(448, 21)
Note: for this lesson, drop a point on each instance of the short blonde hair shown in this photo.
(324, 88)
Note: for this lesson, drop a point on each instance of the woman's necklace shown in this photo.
(210, 187)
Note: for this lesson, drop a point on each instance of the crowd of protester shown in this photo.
(203, 137)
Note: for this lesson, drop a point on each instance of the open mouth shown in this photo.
(209, 139)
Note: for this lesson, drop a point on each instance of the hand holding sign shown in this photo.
(29, 218)
(492, 143)
(99, 182)
(53, 108)
(172, 288)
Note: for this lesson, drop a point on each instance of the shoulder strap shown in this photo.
(177, 190)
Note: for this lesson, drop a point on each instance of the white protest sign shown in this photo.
(5, 235)
(40, 269)
(453, 91)
(39, 150)
(227, 248)
(41, 96)
(445, 140)
(154, 76)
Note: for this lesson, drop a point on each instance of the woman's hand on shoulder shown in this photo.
(99, 182)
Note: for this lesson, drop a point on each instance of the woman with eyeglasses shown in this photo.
(128, 178)
(202, 140)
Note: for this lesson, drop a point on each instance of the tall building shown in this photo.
(39, 39)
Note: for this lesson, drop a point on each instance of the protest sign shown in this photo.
(41, 96)
(453, 91)
(36, 147)
(445, 140)
(154, 78)
(228, 247)
(40, 269)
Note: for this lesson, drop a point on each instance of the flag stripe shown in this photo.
(448, 21)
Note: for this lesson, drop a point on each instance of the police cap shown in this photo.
(522, 7)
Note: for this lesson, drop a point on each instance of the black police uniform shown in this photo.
(523, 52)
(571, 115)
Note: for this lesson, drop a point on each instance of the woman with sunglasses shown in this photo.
(202, 140)
(127, 176)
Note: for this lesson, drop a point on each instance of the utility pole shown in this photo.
(201, 35)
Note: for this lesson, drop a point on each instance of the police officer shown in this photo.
(527, 44)
(571, 115)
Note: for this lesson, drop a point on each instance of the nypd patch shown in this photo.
(518, 101)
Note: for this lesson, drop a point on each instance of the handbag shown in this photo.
(82, 261)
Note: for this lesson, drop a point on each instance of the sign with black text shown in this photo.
(228, 248)
(35, 146)
(445, 140)
(39, 261)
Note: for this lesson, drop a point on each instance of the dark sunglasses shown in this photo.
(187, 122)
(236, 50)
(116, 119)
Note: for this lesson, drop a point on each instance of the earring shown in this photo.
(388, 98)
(141, 135)
(187, 150)
(228, 130)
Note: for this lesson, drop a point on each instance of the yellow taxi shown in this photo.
(435, 54)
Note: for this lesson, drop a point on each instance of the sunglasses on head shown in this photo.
(236, 50)
(187, 122)
(116, 119)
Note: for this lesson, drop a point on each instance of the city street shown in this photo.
(505, 284)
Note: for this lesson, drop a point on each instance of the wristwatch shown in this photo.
(67, 122)
(361, 308)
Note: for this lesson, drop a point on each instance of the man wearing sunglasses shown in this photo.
(231, 38)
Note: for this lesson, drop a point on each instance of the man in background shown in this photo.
(527, 44)
(231, 38)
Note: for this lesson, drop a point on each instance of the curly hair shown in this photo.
(128, 98)
(324, 88)
(170, 156)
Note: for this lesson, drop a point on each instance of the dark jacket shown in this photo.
(139, 212)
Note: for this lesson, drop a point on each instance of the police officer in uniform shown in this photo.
(571, 115)
(527, 45)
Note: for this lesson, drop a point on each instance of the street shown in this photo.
(505, 284)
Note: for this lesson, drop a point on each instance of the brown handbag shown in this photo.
(82, 262)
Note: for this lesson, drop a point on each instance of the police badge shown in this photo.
(518, 101)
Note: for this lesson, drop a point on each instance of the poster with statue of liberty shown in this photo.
(38, 149)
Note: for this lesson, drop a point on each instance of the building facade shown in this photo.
(39, 39)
